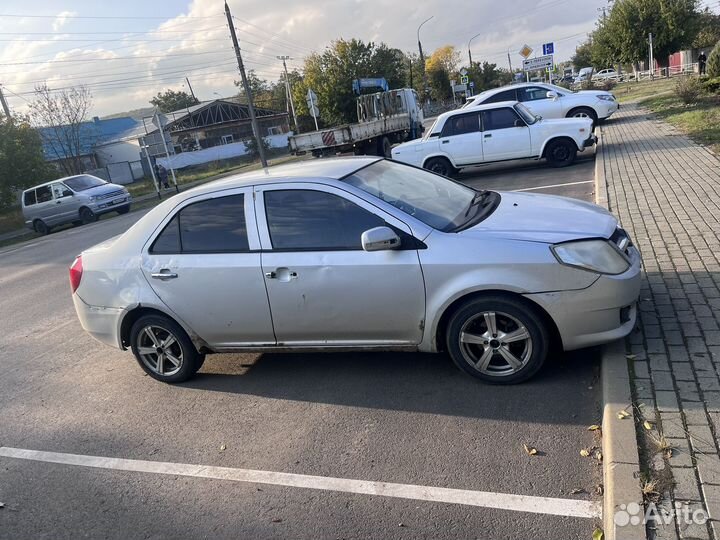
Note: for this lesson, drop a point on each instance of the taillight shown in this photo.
(76, 271)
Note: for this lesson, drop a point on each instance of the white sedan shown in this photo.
(550, 101)
(359, 253)
(495, 132)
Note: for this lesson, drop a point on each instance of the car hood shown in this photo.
(569, 123)
(594, 93)
(544, 218)
(408, 146)
(101, 190)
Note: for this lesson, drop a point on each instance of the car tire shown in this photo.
(41, 227)
(475, 334)
(440, 165)
(178, 361)
(560, 153)
(385, 148)
(87, 216)
(123, 210)
(583, 112)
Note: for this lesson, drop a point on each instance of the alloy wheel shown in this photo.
(159, 350)
(495, 343)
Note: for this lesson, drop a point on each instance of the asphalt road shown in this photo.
(403, 418)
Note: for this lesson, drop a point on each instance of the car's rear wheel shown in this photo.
(163, 349)
(87, 215)
(583, 112)
(41, 227)
(497, 339)
(440, 165)
(560, 153)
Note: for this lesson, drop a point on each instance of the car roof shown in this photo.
(59, 180)
(475, 108)
(311, 169)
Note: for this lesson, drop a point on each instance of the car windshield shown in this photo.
(81, 183)
(434, 200)
(523, 111)
(431, 132)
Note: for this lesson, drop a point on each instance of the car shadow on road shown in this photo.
(565, 391)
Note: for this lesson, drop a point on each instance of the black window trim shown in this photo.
(176, 214)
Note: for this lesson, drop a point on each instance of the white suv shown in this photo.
(550, 101)
(495, 132)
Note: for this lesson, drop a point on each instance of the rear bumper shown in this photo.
(603, 312)
(590, 141)
(102, 323)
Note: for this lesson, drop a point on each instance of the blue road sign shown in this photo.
(472, 84)
(548, 48)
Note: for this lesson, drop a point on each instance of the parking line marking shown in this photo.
(485, 499)
(556, 185)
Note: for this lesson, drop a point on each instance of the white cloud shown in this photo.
(61, 19)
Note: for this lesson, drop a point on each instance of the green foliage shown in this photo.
(252, 147)
(22, 163)
(330, 74)
(712, 86)
(170, 100)
(708, 30)
(439, 83)
(487, 75)
(688, 89)
(583, 55)
(713, 62)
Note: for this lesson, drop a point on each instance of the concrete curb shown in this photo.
(621, 463)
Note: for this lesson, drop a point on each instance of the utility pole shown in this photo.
(652, 62)
(5, 105)
(246, 86)
(509, 61)
(289, 91)
(190, 87)
(422, 57)
(411, 80)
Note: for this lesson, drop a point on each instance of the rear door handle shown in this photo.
(487, 135)
(164, 274)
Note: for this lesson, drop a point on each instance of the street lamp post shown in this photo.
(422, 58)
(469, 53)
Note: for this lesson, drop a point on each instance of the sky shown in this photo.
(126, 51)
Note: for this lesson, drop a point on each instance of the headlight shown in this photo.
(94, 198)
(606, 97)
(594, 255)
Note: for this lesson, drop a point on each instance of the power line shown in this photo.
(73, 16)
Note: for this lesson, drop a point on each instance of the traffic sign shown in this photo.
(472, 84)
(311, 98)
(526, 51)
(464, 79)
(538, 63)
(549, 48)
(463, 72)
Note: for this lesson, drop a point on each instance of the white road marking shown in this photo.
(556, 185)
(503, 501)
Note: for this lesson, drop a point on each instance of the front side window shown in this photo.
(60, 191)
(209, 226)
(433, 199)
(461, 124)
(44, 194)
(314, 220)
(532, 93)
(499, 119)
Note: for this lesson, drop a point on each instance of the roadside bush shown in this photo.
(588, 85)
(712, 86)
(713, 62)
(252, 147)
(688, 89)
(606, 85)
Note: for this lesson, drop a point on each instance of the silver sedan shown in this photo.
(359, 253)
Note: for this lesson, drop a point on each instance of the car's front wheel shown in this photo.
(87, 215)
(561, 153)
(440, 165)
(497, 339)
(163, 349)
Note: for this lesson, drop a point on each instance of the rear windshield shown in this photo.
(81, 183)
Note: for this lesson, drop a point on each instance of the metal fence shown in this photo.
(125, 172)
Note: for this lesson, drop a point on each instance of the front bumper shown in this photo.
(102, 323)
(603, 312)
(111, 205)
(606, 109)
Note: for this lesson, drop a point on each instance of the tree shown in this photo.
(22, 163)
(708, 30)
(487, 75)
(713, 62)
(330, 75)
(446, 58)
(624, 35)
(259, 88)
(60, 115)
(583, 55)
(172, 100)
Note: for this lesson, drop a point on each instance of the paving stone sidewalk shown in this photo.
(666, 191)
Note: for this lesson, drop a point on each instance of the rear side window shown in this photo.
(461, 124)
(315, 221)
(44, 194)
(29, 197)
(507, 95)
(210, 226)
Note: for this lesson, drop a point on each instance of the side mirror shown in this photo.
(67, 193)
(552, 95)
(379, 239)
(519, 123)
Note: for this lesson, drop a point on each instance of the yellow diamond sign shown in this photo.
(526, 51)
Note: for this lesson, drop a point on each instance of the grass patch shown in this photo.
(700, 121)
(634, 91)
(11, 220)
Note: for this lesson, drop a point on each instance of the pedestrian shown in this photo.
(162, 175)
(702, 60)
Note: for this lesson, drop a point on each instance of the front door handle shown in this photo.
(445, 142)
(164, 274)
(283, 274)
(488, 135)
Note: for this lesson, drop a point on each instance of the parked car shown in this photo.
(550, 101)
(585, 74)
(608, 74)
(495, 132)
(359, 253)
(75, 199)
